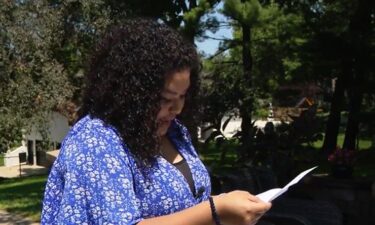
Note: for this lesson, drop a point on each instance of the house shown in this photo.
(32, 143)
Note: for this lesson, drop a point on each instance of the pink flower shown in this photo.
(342, 156)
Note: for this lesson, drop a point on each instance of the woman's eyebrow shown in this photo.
(173, 92)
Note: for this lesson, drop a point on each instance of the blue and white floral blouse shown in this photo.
(95, 180)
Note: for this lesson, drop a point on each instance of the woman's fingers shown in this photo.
(253, 198)
(259, 207)
(240, 208)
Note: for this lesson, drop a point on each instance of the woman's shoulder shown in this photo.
(89, 125)
(91, 136)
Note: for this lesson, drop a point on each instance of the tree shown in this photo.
(341, 30)
(360, 28)
(267, 42)
(339, 49)
(187, 17)
(46, 44)
(32, 81)
(246, 13)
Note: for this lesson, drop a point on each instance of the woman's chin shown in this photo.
(161, 133)
(163, 129)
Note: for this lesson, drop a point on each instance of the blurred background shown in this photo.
(286, 85)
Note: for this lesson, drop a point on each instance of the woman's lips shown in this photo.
(165, 122)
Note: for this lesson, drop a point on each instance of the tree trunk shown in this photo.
(352, 126)
(360, 28)
(333, 123)
(247, 102)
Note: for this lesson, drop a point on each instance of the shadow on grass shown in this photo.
(23, 196)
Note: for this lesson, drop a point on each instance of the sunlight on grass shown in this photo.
(23, 196)
(363, 168)
(1, 159)
(363, 143)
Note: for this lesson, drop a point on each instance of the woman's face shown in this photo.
(172, 99)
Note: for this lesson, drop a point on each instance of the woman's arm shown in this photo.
(234, 208)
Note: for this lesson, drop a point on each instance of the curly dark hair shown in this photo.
(126, 76)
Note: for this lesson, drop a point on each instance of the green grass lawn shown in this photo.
(364, 166)
(210, 154)
(363, 143)
(23, 196)
(1, 159)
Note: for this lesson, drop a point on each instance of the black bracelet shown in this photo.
(213, 211)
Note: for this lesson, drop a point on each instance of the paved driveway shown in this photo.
(10, 219)
(26, 170)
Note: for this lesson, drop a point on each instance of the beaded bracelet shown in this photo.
(213, 211)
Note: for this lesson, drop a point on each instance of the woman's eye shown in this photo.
(165, 100)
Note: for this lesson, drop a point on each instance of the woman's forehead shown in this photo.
(177, 82)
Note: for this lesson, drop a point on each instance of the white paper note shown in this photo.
(271, 194)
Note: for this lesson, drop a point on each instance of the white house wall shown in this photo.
(11, 158)
(58, 128)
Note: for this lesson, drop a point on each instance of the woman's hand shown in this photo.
(240, 208)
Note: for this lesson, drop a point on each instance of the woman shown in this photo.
(129, 160)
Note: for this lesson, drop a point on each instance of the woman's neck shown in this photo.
(169, 151)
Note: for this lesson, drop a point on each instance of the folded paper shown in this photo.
(271, 194)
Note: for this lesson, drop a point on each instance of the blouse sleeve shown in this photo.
(98, 184)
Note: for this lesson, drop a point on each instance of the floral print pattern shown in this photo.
(95, 179)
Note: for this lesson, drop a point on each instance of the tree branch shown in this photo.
(232, 44)
(219, 52)
(234, 62)
(214, 38)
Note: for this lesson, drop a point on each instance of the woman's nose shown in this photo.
(177, 107)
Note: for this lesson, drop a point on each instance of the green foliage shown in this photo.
(192, 24)
(213, 157)
(277, 41)
(363, 143)
(261, 113)
(276, 45)
(192, 17)
(220, 90)
(32, 81)
(45, 45)
(11, 132)
(245, 12)
(80, 23)
(283, 147)
(1, 159)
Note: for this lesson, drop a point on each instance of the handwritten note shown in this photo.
(271, 194)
